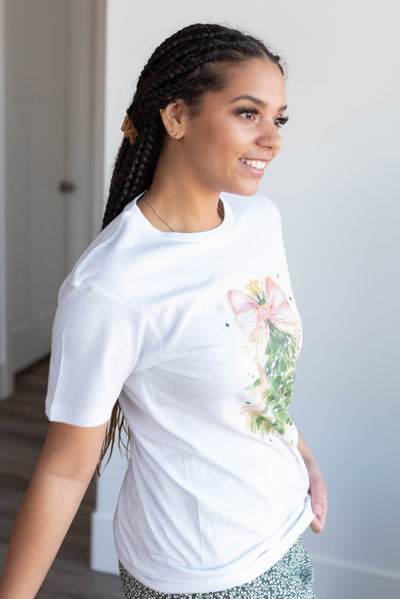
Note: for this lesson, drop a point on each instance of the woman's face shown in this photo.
(235, 133)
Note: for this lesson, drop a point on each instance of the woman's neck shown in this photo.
(184, 205)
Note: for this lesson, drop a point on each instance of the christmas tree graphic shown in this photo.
(266, 318)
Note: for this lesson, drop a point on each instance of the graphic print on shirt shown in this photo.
(267, 319)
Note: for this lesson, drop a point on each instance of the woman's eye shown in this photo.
(282, 120)
(249, 114)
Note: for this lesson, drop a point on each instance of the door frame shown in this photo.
(6, 385)
(85, 123)
(85, 162)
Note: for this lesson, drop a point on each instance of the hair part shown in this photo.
(185, 66)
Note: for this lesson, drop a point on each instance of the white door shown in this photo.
(37, 147)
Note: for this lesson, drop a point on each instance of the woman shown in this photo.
(182, 310)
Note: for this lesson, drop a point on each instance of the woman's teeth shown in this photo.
(260, 164)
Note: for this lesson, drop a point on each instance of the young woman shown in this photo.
(180, 318)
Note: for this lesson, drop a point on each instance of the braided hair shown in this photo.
(184, 66)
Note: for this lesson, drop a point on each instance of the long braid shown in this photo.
(185, 66)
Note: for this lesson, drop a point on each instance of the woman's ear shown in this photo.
(174, 116)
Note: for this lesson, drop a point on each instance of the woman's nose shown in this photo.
(271, 139)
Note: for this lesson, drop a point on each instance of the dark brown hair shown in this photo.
(185, 66)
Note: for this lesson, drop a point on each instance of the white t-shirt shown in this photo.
(198, 335)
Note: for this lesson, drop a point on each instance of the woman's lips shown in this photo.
(256, 167)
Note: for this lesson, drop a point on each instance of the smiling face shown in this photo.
(234, 134)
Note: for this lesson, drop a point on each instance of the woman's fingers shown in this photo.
(317, 525)
(319, 501)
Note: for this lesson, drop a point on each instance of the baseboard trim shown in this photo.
(339, 578)
(103, 557)
(356, 567)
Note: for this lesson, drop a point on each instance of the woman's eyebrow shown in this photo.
(257, 101)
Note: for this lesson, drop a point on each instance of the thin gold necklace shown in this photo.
(220, 210)
(156, 211)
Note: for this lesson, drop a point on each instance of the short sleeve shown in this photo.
(96, 342)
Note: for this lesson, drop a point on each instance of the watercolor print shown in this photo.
(267, 319)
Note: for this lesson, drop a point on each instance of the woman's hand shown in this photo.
(319, 498)
(317, 488)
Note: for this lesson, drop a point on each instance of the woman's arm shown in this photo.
(317, 489)
(61, 477)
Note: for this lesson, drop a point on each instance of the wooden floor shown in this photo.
(23, 427)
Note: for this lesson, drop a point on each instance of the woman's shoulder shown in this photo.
(102, 266)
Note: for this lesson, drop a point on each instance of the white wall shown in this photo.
(102, 553)
(336, 185)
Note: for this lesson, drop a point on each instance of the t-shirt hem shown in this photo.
(226, 581)
(83, 420)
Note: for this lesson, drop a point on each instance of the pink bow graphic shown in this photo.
(252, 316)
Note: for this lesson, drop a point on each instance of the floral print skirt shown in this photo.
(290, 578)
